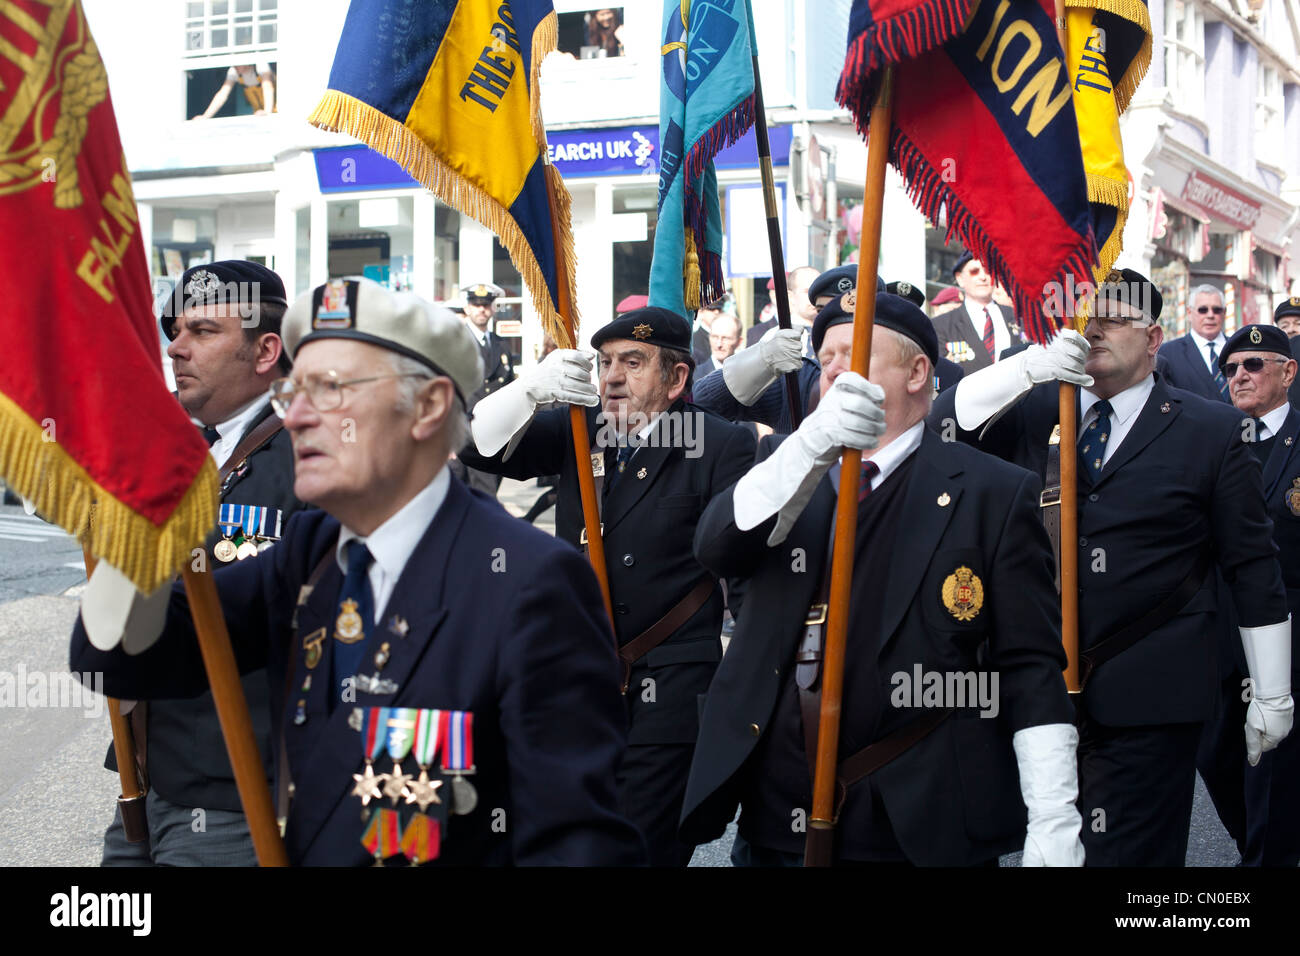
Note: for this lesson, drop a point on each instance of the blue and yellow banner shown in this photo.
(1109, 50)
(450, 91)
(706, 103)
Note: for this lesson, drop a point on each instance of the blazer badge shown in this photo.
(1293, 497)
(963, 594)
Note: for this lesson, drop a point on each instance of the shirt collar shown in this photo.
(392, 543)
(1125, 405)
(889, 457)
(976, 311)
(1275, 419)
(238, 423)
(1202, 342)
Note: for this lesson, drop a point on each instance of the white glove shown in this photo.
(750, 371)
(564, 376)
(114, 612)
(1049, 784)
(1269, 713)
(985, 394)
(851, 415)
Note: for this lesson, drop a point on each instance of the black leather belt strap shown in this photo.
(660, 630)
(1133, 632)
(874, 756)
(1050, 499)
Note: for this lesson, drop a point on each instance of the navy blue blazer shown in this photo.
(1187, 369)
(537, 670)
(1282, 497)
(1182, 487)
(953, 798)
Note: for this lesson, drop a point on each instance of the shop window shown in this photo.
(1185, 56)
(372, 238)
(1269, 129)
(222, 91)
(591, 34)
(230, 26)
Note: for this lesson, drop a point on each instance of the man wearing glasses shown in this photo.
(369, 617)
(1194, 358)
(1258, 804)
(1167, 491)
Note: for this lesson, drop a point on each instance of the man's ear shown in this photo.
(920, 375)
(269, 349)
(681, 373)
(434, 403)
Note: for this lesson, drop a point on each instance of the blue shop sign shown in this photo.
(622, 150)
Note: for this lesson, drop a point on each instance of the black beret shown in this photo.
(1133, 289)
(962, 259)
(233, 281)
(652, 325)
(908, 291)
(1290, 307)
(1256, 338)
(837, 281)
(892, 312)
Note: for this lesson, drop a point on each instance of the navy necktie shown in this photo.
(210, 435)
(1219, 380)
(869, 471)
(355, 620)
(1092, 447)
(620, 465)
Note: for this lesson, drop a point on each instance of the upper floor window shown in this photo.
(230, 26)
(591, 34)
(1185, 56)
(1269, 128)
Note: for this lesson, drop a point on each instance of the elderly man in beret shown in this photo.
(223, 322)
(951, 577)
(659, 461)
(1167, 492)
(409, 724)
(1258, 804)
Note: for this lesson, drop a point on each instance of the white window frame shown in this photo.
(198, 33)
(1185, 58)
(1270, 128)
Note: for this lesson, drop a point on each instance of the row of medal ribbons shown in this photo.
(246, 530)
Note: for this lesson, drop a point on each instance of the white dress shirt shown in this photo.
(888, 458)
(1001, 334)
(1203, 346)
(233, 428)
(1126, 406)
(392, 543)
(1272, 422)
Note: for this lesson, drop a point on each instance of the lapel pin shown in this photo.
(300, 715)
(381, 656)
(641, 473)
(943, 500)
(1289, 440)
(1164, 408)
(354, 719)
(397, 624)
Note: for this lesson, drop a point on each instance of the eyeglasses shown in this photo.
(1206, 309)
(324, 392)
(1112, 323)
(1253, 365)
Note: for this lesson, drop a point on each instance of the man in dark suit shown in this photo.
(369, 617)
(951, 580)
(1258, 804)
(659, 461)
(1194, 358)
(701, 345)
(977, 333)
(1166, 492)
(1287, 318)
(498, 370)
(223, 321)
(724, 339)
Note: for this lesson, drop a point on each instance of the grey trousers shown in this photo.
(181, 836)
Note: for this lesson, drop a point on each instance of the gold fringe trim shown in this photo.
(341, 113)
(1104, 190)
(545, 40)
(562, 230)
(691, 273)
(1135, 12)
(45, 474)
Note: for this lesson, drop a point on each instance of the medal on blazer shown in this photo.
(428, 732)
(963, 594)
(422, 839)
(1293, 497)
(382, 835)
(311, 644)
(401, 733)
(374, 723)
(458, 758)
(230, 519)
(347, 627)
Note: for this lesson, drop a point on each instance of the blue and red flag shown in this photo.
(706, 103)
(450, 91)
(984, 132)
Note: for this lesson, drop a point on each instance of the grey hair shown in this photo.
(906, 350)
(456, 428)
(1206, 289)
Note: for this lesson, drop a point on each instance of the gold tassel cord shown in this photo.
(1135, 12)
(691, 272)
(64, 494)
(341, 113)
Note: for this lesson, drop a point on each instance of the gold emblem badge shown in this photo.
(963, 594)
(641, 474)
(225, 550)
(642, 331)
(1255, 336)
(348, 627)
(1114, 275)
(849, 300)
(1293, 497)
(1294, 300)
(312, 645)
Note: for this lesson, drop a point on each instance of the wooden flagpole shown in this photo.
(774, 245)
(232, 712)
(820, 844)
(1069, 557)
(578, 419)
